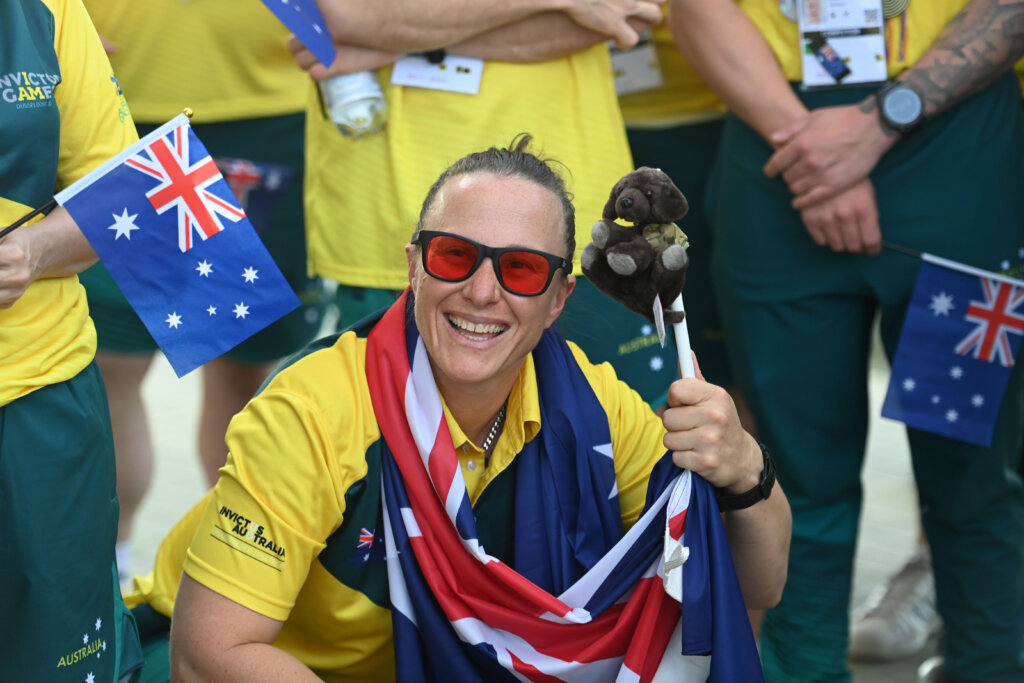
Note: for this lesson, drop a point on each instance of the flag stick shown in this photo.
(902, 250)
(48, 206)
(682, 340)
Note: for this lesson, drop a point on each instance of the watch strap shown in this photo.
(763, 489)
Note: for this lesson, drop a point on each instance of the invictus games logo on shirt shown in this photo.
(249, 538)
(27, 89)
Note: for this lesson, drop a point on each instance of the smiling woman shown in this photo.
(476, 331)
(458, 437)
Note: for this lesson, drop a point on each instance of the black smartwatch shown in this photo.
(900, 108)
(741, 501)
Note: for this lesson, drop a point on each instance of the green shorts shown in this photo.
(273, 140)
(63, 618)
(355, 303)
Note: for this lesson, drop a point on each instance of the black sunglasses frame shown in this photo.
(556, 263)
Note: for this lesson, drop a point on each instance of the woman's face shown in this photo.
(476, 332)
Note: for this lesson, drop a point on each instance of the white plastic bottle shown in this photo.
(355, 103)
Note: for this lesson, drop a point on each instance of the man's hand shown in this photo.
(611, 17)
(828, 151)
(706, 437)
(846, 222)
(349, 59)
(15, 271)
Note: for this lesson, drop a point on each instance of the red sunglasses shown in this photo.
(452, 258)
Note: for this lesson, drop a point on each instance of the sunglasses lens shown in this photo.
(450, 258)
(524, 272)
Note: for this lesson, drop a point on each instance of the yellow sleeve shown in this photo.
(637, 434)
(159, 587)
(95, 122)
(293, 452)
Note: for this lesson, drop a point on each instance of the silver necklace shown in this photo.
(495, 427)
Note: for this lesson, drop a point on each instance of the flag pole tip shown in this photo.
(187, 111)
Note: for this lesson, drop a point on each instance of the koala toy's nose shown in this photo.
(627, 202)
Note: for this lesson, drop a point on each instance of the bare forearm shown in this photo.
(980, 44)
(57, 246)
(249, 663)
(549, 35)
(216, 639)
(409, 26)
(51, 247)
(733, 58)
(759, 538)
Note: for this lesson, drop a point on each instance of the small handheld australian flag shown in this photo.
(956, 351)
(168, 228)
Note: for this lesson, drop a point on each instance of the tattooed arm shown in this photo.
(979, 45)
(836, 147)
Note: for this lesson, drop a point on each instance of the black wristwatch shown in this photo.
(740, 501)
(900, 108)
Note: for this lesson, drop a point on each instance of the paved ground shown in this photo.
(888, 526)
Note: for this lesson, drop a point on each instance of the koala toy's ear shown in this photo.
(676, 205)
(609, 213)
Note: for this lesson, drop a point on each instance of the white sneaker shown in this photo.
(930, 670)
(898, 617)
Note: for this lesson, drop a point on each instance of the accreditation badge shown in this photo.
(454, 73)
(636, 69)
(842, 42)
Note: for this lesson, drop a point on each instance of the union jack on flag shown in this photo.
(959, 340)
(365, 538)
(141, 211)
(995, 318)
(184, 186)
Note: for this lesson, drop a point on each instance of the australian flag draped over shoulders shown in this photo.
(168, 228)
(957, 349)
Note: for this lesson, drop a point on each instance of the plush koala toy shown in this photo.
(634, 264)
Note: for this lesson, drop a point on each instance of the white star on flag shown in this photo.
(85, 639)
(645, 330)
(241, 310)
(952, 415)
(123, 225)
(212, 310)
(977, 400)
(250, 274)
(99, 622)
(90, 678)
(173, 320)
(657, 363)
(204, 268)
(936, 399)
(1005, 265)
(941, 304)
(956, 372)
(909, 384)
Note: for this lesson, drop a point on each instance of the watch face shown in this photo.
(902, 106)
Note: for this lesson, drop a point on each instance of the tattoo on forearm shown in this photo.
(978, 46)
